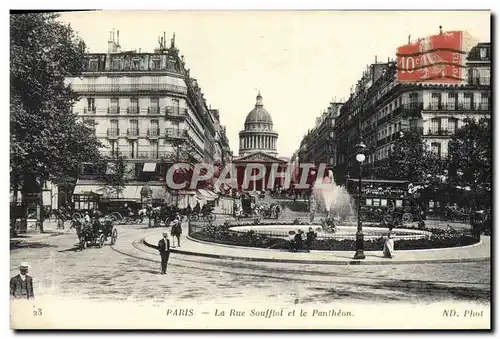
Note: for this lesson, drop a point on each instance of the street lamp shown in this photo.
(360, 157)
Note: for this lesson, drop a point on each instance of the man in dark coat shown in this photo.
(21, 286)
(310, 237)
(164, 249)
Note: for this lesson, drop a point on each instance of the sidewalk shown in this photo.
(189, 246)
(49, 230)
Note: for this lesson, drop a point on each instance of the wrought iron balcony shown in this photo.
(174, 133)
(114, 88)
(113, 133)
(153, 110)
(152, 155)
(176, 112)
(153, 133)
(132, 133)
(133, 110)
(459, 107)
(113, 110)
(438, 132)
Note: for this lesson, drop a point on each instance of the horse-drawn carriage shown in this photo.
(204, 213)
(95, 233)
(248, 208)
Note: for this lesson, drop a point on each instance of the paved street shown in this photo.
(105, 273)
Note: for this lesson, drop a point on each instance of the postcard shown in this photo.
(250, 170)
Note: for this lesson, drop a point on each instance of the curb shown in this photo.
(321, 262)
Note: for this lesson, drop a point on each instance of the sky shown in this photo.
(299, 60)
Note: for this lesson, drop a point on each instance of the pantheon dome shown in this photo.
(258, 135)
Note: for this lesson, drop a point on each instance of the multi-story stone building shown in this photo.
(318, 145)
(147, 108)
(380, 107)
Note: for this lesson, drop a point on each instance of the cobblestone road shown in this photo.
(59, 269)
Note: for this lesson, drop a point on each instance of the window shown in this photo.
(115, 64)
(136, 65)
(154, 105)
(436, 148)
(154, 127)
(134, 106)
(452, 125)
(134, 127)
(435, 101)
(113, 129)
(435, 125)
(156, 64)
(368, 202)
(413, 98)
(175, 105)
(91, 105)
(114, 106)
(93, 65)
(485, 101)
(482, 53)
(452, 101)
(153, 149)
(468, 100)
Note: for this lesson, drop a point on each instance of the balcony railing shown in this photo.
(438, 132)
(484, 81)
(113, 88)
(113, 132)
(89, 110)
(132, 132)
(133, 110)
(175, 133)
(458, 107)
(153, 132)
(412, 109)
(153, 110)
(173, 111)
(113, 110)
(149, 155)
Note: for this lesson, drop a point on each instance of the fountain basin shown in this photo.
(343, 232)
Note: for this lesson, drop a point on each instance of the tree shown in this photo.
(410, 159)
(46, 138)
(470, 158)
(114, 174)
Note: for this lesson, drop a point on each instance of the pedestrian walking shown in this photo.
(176, 230)
(310, 236)
(389, 246)
(164, 249)
(21, 286)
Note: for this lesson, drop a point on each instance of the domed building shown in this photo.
(258, 145)
(258, 135)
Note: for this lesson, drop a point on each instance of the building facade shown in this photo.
(380, 107)
(149, 110)
(318, 146)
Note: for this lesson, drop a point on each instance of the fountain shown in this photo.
(333, 199)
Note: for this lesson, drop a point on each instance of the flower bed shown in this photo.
(222, 234)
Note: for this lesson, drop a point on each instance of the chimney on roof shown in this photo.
(375, 59)
(118, 37)
(409, 39)
(440, 30)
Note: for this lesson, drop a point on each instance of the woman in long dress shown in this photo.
(389, 246)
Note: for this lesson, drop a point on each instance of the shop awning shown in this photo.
(149, 167)
(131, 192)
(205, 194)
(88, 189)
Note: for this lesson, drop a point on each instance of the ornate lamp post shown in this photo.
(360, 157)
